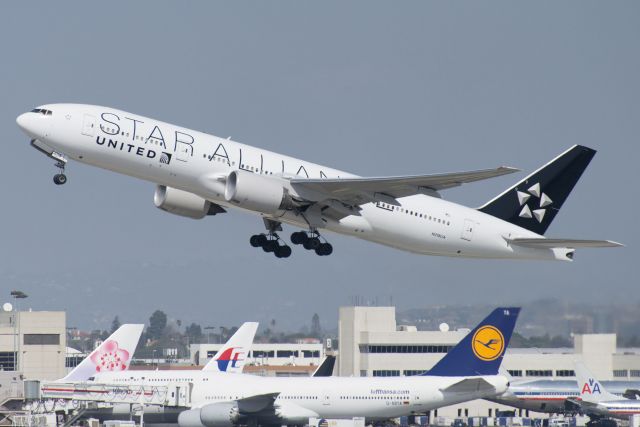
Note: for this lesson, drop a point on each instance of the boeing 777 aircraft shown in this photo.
(199, 175)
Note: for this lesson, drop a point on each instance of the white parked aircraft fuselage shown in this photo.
(197, 163)
(327, 397)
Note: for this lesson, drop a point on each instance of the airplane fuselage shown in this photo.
(327, 397)
(199, 163)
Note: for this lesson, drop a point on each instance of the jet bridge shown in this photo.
(172, 394)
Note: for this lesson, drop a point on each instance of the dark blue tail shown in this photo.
(534, 202)
(481, 351)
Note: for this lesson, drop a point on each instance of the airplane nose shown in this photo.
(22, 121)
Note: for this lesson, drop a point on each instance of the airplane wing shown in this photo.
(468, 385)
(257, 403)
(362, 190)
(541, 243)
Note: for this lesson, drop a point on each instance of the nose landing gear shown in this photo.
(60, 178)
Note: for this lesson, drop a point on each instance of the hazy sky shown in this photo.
(375, 88)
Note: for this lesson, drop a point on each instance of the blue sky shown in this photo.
(375, 88)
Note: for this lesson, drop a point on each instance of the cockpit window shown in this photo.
(42, 111)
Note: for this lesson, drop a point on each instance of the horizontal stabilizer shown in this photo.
(348, 189)
(562, 243)
(469, 385)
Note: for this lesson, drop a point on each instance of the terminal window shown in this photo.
(41, 339)
(515, 372)
(620, 373)
(261, 353)
(386, 373)
(405, 348)
(635, 372)
(310, 353)
(7, 361)
(539, 373)
(412, 372)
(565, 373)
(287, 353)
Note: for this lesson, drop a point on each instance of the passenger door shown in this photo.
(467, 230)
(89, 125)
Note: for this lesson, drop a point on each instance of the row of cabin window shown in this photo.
(414, 213)
(373, 397)
(126, 134)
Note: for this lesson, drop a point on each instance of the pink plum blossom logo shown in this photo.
(110, 358)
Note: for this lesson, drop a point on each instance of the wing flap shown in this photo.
(562, 243)
(347, 189)
(469, 385)
(257, 403)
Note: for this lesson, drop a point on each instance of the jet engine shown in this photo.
(183, 203)
(257, 193)
(222, 414)
(291, 413)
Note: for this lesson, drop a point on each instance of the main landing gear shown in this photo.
(312, 241)
(271, 242)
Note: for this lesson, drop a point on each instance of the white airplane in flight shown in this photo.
(199, 174)
(469, 371)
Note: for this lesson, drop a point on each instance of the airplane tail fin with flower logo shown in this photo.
(114, 354)
(534, 202)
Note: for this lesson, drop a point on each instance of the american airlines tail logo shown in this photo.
(591, 387)
(229, 356)
(165, 158)
(539, 206)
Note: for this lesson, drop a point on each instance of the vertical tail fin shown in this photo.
(480, 352)
(534, 202)
(114, 354)
(325, 369)
(233, 355)
(591, 390)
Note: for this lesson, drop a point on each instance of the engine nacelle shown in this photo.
(190, 418)
(257, 193)
(183, 203)
(222, 414)
(290, 413)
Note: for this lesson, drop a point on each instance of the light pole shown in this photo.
(209, 329)
(16, 328)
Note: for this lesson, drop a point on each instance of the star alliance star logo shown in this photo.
(543, 201)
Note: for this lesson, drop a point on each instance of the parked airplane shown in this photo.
(231, 358)
(113, 355)
(555, 396)
(598, 403)
(469, 371)
(199, 175)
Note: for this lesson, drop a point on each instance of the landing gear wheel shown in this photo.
(270, 246)
(299, 237)
(258, 240)
(324, 249)
(59, 179)
(282, 251)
